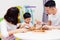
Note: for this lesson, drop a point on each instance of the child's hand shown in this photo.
(37, 22)
(25, 26)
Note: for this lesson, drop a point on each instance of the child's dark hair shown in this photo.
(12, 15)
(50, 4)
(27, 15)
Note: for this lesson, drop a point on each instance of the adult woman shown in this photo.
(9, 24)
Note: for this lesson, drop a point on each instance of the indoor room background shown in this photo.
(37, 7)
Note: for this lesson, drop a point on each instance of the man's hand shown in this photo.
(46, 27)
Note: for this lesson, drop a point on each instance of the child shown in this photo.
(27, 21)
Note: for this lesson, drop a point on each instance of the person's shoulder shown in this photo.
(58, 12)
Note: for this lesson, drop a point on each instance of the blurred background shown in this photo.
(35, 7)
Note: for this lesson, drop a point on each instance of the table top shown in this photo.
(48, 35)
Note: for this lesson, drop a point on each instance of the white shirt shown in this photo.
(30, 24)
(5, 27)
(55, 19)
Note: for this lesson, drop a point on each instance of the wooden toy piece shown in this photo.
(32, 28)
(39, 30)
(36, 30)
(42, 30)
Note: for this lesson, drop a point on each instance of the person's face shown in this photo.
(27, 20)
(48, 10)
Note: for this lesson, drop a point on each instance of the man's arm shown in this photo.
(49, 22)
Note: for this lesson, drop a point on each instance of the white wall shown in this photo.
(57, 5)
(5, 4)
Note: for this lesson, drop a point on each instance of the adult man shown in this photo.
(53, 14)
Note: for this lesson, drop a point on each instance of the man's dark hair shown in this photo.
(27, 15)
(50, 4)
(12, 15)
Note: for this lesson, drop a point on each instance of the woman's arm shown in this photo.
(17, 31)
(11, 32)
